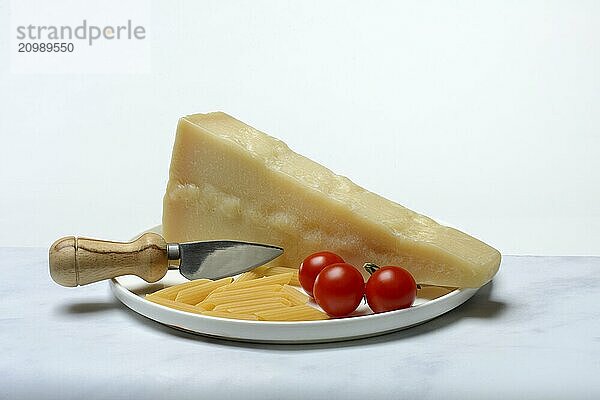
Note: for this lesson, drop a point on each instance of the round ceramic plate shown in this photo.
(431, 302)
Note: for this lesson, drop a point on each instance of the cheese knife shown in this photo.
(79, 261)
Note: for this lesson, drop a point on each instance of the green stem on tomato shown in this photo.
(371, 268)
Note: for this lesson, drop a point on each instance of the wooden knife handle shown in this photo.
(79, 261)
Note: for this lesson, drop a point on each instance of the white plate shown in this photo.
(432, 302)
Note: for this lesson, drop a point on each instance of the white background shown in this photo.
(482, 114)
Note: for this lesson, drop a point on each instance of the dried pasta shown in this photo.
(246, 276)
(215, 301)
(261, 270)
(294, 296)
(263, 294)
(283, 270)
(249, 309)
(237, 291)
(174, 304)
(225, 314)
(251, 303)
(197, 293)
(302, 312)
(280, 279)
(171, 292)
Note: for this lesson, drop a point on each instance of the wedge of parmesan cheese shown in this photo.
(230, 181)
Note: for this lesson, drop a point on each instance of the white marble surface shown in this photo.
(533, 334)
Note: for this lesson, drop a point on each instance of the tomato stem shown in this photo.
(370, 268)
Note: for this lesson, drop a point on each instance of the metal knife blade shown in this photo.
(220, 258)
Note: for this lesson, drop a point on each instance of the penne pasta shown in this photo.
(264, 294)
(279, 279)
(261, 270)
(255, 289)
(246, 276)
(215, 301)
(197, 293)
(284, 270)
(296, 313)
(225, 314)
(219, 289)
(249, 283)
(294, 296)
(171, 292)
(251, 309)
(174, 304)
(250, 303)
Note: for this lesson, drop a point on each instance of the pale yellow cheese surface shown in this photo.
(230, 181)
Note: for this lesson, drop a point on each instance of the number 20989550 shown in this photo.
(26, 47)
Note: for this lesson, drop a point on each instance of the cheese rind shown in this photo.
(229, 181)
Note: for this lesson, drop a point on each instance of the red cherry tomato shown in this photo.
(339, 289)
(312, 265)
(390, 288)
